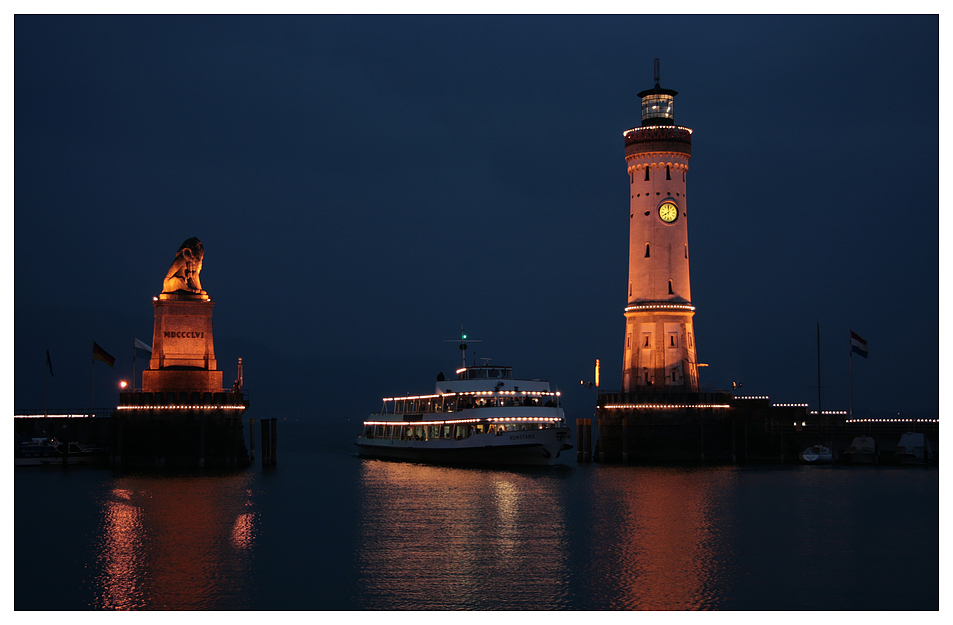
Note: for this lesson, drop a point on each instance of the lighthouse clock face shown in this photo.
(668, 212)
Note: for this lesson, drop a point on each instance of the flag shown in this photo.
(101, 354)
(858, 345)
(141, 347)
(49, 364)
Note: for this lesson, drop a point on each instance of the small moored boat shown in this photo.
(862, 450)
(49, 451)
(914, 448)
(817, 454)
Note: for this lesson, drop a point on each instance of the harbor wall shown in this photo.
(140, 435)
(720, 429)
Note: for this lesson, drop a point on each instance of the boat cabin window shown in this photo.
(484, 373)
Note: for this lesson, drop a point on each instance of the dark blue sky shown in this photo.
(363, 185)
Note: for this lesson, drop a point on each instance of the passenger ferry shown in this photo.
(483, 417)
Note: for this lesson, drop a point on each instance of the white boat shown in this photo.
(485, 416)
(49, 451)
(817, 454)
(914, 448)
(862, 450)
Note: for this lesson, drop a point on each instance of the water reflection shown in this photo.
(664, 548)
(446, 538)
(178, 542)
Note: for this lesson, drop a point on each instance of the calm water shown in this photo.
(328, 531)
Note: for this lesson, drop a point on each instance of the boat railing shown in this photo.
(459, 402)
(450, 431)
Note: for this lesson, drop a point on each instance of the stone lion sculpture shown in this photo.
(184, 273)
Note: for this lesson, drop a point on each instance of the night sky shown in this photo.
(364, 185)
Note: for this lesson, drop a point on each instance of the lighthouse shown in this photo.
(659, 353)
(661, 414)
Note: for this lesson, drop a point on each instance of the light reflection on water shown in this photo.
(664, 550)
(329, 531)
(442, 538)
(436, 538)
(167, 542)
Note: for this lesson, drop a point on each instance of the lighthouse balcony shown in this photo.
(673, 305)
(658, 139)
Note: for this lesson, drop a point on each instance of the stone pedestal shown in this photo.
(183, 352)
(182, 418)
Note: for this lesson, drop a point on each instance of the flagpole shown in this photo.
(46, 380)
(850, 359)
(92, 368)
(818, 369)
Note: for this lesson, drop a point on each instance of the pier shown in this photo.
(718, 428)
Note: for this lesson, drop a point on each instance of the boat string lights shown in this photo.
(460, 421)
(662, 406)
(486, 393)
(182, 407)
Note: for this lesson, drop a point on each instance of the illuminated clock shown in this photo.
(668, 212)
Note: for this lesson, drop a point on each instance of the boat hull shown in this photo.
(817, 455)
(536, 448)
(863, 450)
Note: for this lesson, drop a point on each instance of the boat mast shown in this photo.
(463, 344)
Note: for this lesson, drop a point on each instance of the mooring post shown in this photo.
(274, 442)
(251, 436)
(265, 443)
(588, 433)
(580, 437)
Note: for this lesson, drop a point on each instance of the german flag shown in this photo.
(101, 354)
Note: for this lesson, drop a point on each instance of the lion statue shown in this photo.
(184, 273)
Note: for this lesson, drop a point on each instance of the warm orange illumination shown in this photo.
(665, 532)
(123, 384)
(597, 373)
(164, 539)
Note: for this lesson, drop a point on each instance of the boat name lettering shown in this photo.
(514, 437)
(183, 335)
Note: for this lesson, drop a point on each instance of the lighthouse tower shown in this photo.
(659, 339)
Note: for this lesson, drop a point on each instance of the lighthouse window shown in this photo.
(668, 173)
(646, 173)
(670, 291)
(647, 254)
